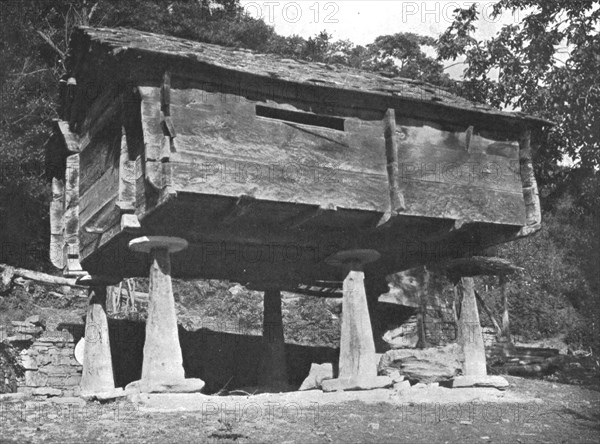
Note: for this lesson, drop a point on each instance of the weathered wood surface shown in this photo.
(477, 266)
(9, 272)
(533, 209)
(100, 154)
(254, 73)
(273, 367)
(222, 147)
(188, 112)
(391, 152)
(57, 210)
(71, 215)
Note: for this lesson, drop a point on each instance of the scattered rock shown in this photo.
(28, 362)
(317, 374)
(237, 289)
(374, 426)
(338, 385)
(480, 381)
(403, 385)
(21, 324)
(29, 329)
(6, 277)
(394, 374)
(35, 319)
(428, 365)
(19, 337)
(47, 391)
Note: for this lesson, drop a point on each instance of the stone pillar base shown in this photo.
(362, 383)
(358, 361)
(480, 381)
(162, 366)
(190, 385)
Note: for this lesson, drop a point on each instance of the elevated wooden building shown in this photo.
(265, 167)
(269, 165)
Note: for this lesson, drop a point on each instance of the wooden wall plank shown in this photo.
(99, 194)
(57, 210)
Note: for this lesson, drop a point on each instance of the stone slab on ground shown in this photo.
(104, 396)
(480, 381)
(212, 405)
(68, 400)
(363, 383)
(190, 385)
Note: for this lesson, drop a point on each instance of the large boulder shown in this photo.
(433, 364)
(317, 374)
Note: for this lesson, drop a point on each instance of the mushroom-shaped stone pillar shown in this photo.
(97, 375)
(470, 337)
(162, 366)
(358, 361)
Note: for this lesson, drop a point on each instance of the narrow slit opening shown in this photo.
(286, 115)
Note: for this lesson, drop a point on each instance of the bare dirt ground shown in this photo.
(531, 411)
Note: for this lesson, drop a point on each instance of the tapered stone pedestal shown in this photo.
(358, 361)
(97, 374)
(470, 335)
(273, 368)
(470, 338)
(162, 366)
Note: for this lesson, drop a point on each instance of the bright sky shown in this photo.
(361, 21)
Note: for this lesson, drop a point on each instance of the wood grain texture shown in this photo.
(148, 54)
(57, 210)
(224, 148)
(391, 152)
(71, 215)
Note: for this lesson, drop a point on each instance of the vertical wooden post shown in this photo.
(71, 218)
(57, 209)
(391, 151)
(273, 369)
(533, 211)
(422, 311)
(505, 321)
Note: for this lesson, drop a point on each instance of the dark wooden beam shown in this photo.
(240, 208)
(302, 218)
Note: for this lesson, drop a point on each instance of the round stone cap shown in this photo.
(348, 256)
(95, 280)
(145, 244)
